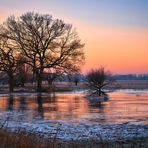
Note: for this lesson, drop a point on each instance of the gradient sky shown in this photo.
(115, 32)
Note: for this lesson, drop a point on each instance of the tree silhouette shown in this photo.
(97, 80)
(45, 42)
(8, 63)
(74, 77)
(23, 71)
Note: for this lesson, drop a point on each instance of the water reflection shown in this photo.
(98, 109)
(120, 108)
(10, 103)
(40, 106)
(23, 105)
(46, 106)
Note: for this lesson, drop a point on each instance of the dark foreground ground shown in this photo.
(24, 139)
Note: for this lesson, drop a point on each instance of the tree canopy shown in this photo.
(8, 62)
(45, 42)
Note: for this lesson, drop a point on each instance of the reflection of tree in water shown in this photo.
(77, 101)
(50, 99)
(76, 106)
(10, 103)
(99, 107)
(23, 105)
(40, 105)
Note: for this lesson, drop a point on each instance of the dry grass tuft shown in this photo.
(23, 140)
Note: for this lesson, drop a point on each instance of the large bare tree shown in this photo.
(8, 63)
(45, 42)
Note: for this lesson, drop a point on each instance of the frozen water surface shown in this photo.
(125, 113)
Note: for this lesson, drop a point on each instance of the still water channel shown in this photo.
(123, 106)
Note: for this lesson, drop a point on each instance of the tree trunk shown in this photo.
(39, 80)
(11, 82)
(10, 103)
(76, 83)
(100, 92)
(50, 84)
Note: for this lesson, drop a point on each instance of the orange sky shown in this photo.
(119, 49)
(113, 37)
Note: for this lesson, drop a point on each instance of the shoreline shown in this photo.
(70, 86)
(65, 90)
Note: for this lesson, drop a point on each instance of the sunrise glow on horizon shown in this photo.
(115, 32)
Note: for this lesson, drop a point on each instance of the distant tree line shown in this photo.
(37, 43)
(82, 77)
(131, 77)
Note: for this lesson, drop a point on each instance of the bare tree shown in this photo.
(8, 62)
(45, 42)
(23, 70)
(98, 79)
(74, 77)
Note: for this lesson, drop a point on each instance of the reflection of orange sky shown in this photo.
(122, 107)
(73, 104)
(119, 49)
